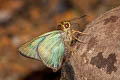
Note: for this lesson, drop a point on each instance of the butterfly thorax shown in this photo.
(67, 36)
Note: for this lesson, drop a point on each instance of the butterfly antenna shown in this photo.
(78, 18)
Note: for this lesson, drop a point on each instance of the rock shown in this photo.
(99, 58)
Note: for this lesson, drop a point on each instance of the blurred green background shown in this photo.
(22, 20)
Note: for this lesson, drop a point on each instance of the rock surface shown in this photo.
(99, 58)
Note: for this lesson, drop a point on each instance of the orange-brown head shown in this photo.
(64, 26)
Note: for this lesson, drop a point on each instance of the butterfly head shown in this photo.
(65, 26)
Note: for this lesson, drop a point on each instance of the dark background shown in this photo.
(22, 20)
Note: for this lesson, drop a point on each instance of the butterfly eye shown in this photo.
(66, 25)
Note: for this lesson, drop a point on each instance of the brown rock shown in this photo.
(98, 58)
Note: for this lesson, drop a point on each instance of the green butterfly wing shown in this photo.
(48, 47)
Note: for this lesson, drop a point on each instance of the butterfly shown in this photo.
(50, 47)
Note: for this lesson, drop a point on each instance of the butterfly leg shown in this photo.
(77, 39)
(82, 33)
(73, 53)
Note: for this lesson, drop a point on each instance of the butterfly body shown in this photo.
(50, 47)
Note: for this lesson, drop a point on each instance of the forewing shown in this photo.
(30, 49)
(51, 51)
